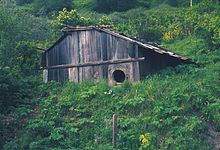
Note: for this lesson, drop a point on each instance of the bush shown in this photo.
(71, 18)
(150, 35)
(107, 6)
(47, 6)
(23, 2)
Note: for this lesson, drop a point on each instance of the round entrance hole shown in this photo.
(119, 76)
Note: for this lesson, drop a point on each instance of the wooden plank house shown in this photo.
(93, 52)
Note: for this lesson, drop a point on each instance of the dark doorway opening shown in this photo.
(119, 76)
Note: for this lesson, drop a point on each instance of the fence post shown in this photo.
(114, 130)
(191, 3)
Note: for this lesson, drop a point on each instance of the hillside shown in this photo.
(177, 108)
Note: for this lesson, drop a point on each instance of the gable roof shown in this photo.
(152, 47)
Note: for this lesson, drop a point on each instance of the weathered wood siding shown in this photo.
(80, 47)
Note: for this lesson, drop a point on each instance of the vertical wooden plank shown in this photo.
(69, 49)
(52, 75)
(75, 49)
(49, 58)
(135, 66)
(80, 51)
(122, 51)
(56, 60)
(74, 57)
(87, 55)
(83, 52)
(64, 51)
(94, 48)
(104, 46)
(104, 55)
(109, 46)
(61, 54)
(97, 49)
(49, 64)
(114, 45)
(57, 77)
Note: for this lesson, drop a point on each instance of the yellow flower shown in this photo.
(167, 36)
(145, 140)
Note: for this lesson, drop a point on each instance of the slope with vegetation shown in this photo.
(174, 109)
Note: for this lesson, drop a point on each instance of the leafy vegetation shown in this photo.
(71, 18)
(20, 34)
(46, 7)
(171, 23)
(115, 5)
(156, 113)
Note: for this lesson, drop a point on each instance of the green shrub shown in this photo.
(150, 35)
(44, 7)
(23, 2)
(107, 6)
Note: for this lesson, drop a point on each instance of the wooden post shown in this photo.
(191, 3)
(114, 130)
